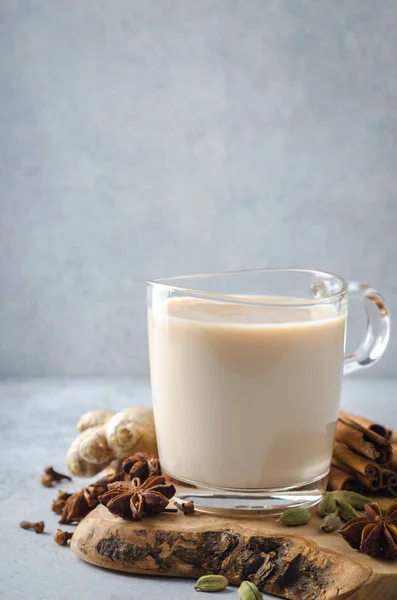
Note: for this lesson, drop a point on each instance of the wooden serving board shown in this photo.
(301, 563)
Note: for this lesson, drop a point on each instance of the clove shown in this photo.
(62, 537)
(37, 527)
(58, 504)
(50, 476)
(186, 507)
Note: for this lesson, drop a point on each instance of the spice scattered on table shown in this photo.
(62, 537)
(37, 527)
(331, 523)
(355, 500)
(77, 506)
(375, 533)
(51, 476)
(211, 583)
(249, 591)
(58, 504)
(186, 507)
(132, 501)
(142, 465)
(327, 505)
(347, 512)
(295, 517)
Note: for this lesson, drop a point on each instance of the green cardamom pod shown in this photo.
(294, 517)
(331, 523)
(249, 591)
(347, 512)
(355, 500)
(327, 505)
(211, 583)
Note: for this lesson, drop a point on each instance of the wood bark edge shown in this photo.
(287, 566)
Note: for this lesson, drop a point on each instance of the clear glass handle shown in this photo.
(378, 329)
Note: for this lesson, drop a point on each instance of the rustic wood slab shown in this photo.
(299, 564)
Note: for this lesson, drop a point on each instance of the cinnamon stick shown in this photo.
(371, 425)
(373, 482)
(341, 465)
(362, 440)
(393, 460)
(341, 480)
(365, 470)
(389, 480)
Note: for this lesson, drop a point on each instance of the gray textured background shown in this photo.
(144, 138)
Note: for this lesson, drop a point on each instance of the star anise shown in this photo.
(142, 465)
(77, 506)
(132, 501)
(375, 533)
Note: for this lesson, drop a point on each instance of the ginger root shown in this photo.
(94, 446)
(75, 462)
(93, 418)
(120, 435)
(130, 430)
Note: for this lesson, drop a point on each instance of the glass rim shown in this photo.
(165, 282)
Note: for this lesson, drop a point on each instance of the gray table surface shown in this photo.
(37, 423)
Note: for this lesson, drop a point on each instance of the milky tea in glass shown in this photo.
(246, 371)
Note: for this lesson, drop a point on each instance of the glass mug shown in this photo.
(246, 370)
